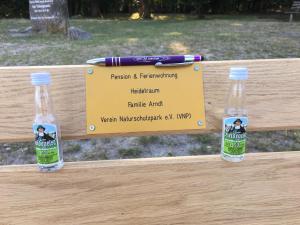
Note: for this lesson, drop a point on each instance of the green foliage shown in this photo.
(98, 154)
(106, 140)
(14, 8)
(146, 140)
(170, 154)
(95, 8)
(73, 148)
(126, 153)
(204, 150)
(204, 138)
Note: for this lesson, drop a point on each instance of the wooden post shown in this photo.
(49, 16)
(291, 18)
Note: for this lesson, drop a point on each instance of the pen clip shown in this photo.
(159, 64)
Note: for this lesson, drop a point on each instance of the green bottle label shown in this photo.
(234, 135)
(46, 143)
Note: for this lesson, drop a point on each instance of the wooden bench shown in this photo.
(295, 9)
(262, 190)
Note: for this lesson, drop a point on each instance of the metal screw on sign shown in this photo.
(90, 71)
(196, 67)
(200, 123)
(92, 127)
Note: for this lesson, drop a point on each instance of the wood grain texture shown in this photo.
(273, 97)
(263, 190)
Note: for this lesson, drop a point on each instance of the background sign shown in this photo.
(49, 15)
(144, 98)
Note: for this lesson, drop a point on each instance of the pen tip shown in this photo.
(96, 61)
(91, 61)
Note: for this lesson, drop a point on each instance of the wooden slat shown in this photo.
(263, 190)
(273, 96)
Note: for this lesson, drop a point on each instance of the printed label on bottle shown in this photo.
(234, 135)
(46, 143)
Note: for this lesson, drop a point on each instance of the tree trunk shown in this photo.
(49, 16)
(262, 6)
(129, 5)
(95, 11)
(215, 6)
(144, 11)
(199, 10)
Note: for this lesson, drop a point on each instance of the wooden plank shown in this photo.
(273, 97)
(263, 190)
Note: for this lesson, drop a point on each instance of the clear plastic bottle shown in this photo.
(235, 120)
(49, 153)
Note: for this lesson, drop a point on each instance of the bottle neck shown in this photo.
(236, 99)
(43, 106)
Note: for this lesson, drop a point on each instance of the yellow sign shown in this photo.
(130, 99)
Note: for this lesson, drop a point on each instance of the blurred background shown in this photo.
(145, 8)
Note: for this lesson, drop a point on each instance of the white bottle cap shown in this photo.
(238, 73)
(40, 78)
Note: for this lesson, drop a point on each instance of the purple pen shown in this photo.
(167, 60)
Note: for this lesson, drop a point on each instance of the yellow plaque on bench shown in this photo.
(130, 99)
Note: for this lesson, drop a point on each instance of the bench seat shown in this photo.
(262, 190)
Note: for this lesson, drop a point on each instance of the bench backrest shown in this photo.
(273, 97)
(264, 189)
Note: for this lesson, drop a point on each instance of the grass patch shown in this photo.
(72, 148)
(93, 142)
(217, 37)
(170, 154)
(147, 140)
(204, 150)
(22, 147)
(204, 138)
(106, 140)
(127, 153)
(94, 155)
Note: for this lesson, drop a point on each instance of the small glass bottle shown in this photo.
(235, 120)
(49, 154)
